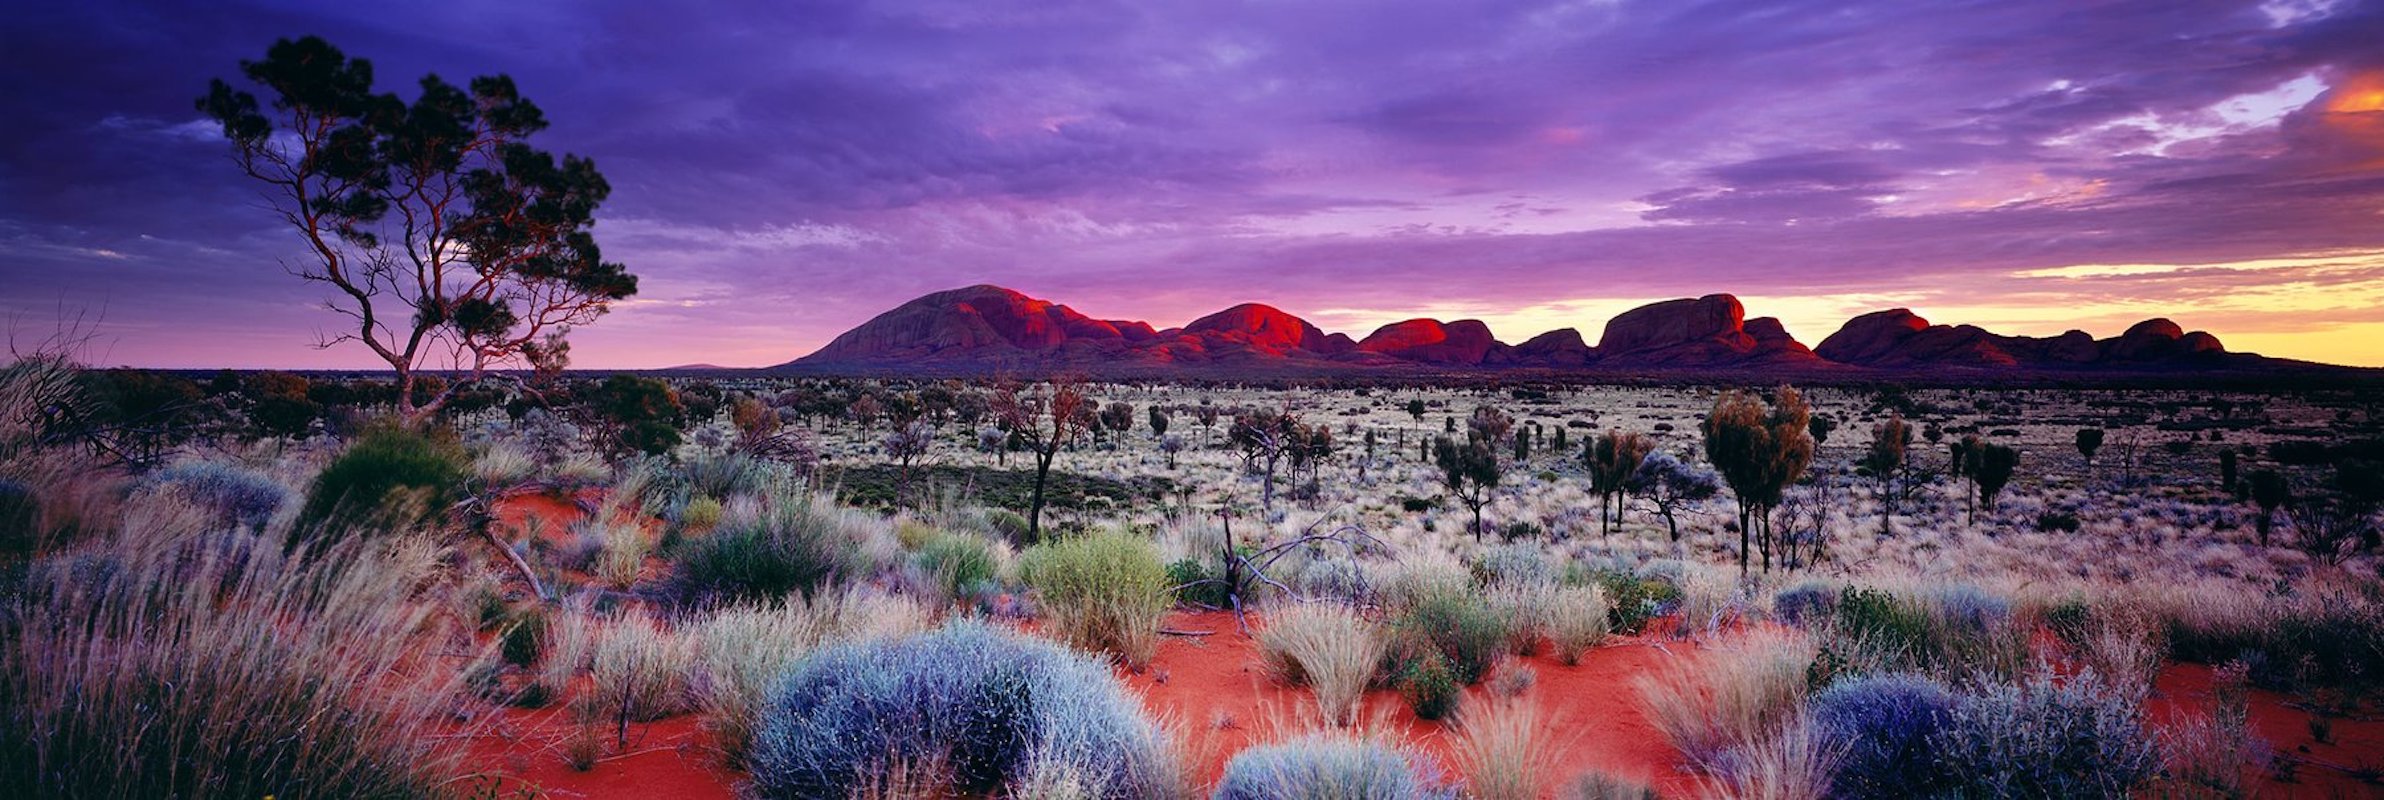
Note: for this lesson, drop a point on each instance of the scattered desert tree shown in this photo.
(1668, 484)
(1043, 420)
(1470, 471)
(1884, 463)
(1266, 439)
(1118, 418)
(2269, 492)
(447, 239)
(1490, 425)
(1613, 457)
(2089, 440)
(1759, 450)
(1158, 421)
(906, 446)
(1990, 468)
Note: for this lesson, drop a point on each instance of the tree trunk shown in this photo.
(1034, 514)
(1745, 539)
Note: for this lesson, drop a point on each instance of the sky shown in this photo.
(784, 171)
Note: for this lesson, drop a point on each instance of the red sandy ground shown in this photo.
(1213, 689)
(1219, 695)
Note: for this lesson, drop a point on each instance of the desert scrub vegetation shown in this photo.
(1577, 621)
(741, 650)
(1889, 727)
(1741, 692)
(1508, 747)
(786, 542)
(1326, 647)
(965, 709)
(1325, 766)
(638, 672)
(2080, 736)
(391, 478)
(1457, 625)
(1104, 591)
(222, 665)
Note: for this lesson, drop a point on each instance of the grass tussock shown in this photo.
(223, 666)
(1508, 748)
(1102, 591)
(1328, 648)
(1742, 692)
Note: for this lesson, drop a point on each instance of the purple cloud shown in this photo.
(783, 172)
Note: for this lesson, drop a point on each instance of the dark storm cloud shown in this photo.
(782, 171)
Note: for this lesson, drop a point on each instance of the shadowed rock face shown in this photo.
(1898, 338)
(1708, 331)
(990, 327)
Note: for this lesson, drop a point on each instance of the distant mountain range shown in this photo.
(987, 329)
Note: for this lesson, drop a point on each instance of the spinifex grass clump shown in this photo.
(964, 710)
(788, 543)
(2080, 736)
(392, 478)
(1101, 591)
(1326, 767)
(228, 668)
(1328, 648)
(1746, 692)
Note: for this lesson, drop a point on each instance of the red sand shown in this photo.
(2183, 691)
(1214, 689)
(666, 758)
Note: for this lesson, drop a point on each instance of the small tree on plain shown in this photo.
(1470, 471)
(1043, 420)
(446, 239)
(2269, 492)
(1669, 484)
(1884, 463)
(1612, 458)
(1759, 450)
(1991, 467)
(2089, 441)
(1266, 438)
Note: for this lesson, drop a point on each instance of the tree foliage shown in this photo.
(1759, 450)
(445, 237)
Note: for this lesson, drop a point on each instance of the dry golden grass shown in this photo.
(1508, 748)
(1739, 692)
(1329, 648)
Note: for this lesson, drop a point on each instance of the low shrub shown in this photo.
(1461, 626)
(1631, 601)
(1196, 583)
(2079, 737)
(1101, 591)
(1329, 649)
(639, 673)
(965, 709)
(236, 496)
(740, 650)
(1594, 785)
(389, 479)
(1430, 688)
(1792, 761)
(1888, 726)
(1806, 604)
(1323, 767)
